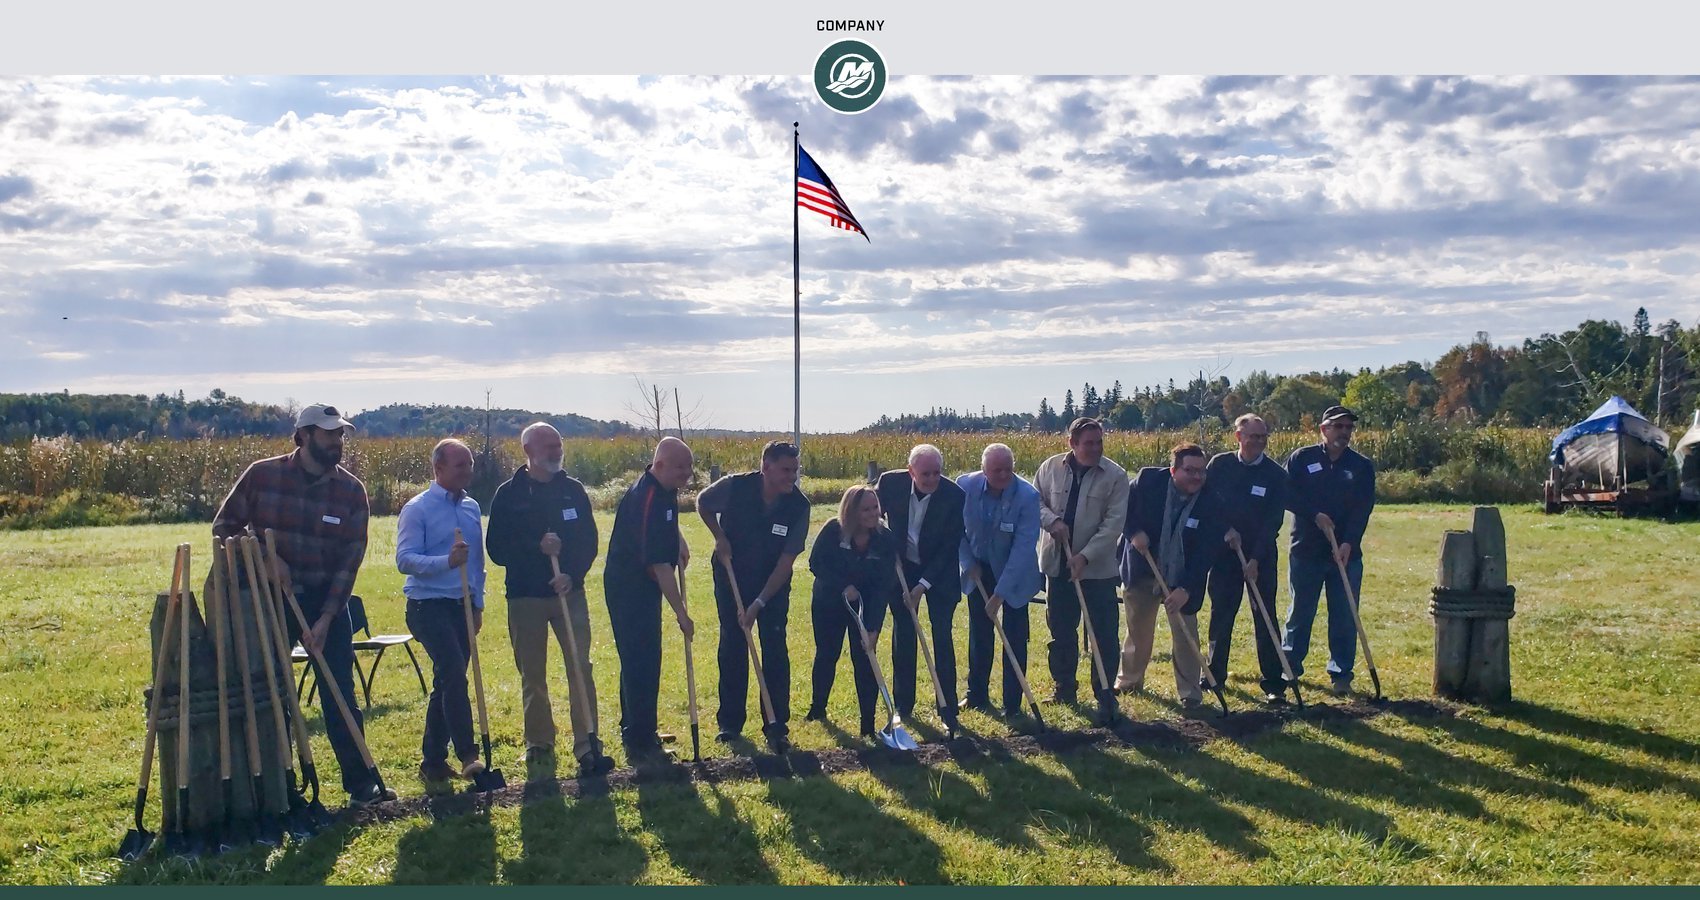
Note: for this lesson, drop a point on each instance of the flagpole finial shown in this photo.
(794, 124)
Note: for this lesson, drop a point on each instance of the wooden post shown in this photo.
(873, 471)
(1489, 534)
(1457, 571)
(1489, 677)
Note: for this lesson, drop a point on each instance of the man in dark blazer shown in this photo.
(1171, 515)
(924, 511)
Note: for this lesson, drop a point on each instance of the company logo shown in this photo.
(850, 76)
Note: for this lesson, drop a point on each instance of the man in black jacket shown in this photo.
(1332, 488)
(760, 522)
(1171, 516)
(924, 511)
(1253, 490)
(539, 513)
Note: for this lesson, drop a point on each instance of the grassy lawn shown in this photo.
(1592, 776)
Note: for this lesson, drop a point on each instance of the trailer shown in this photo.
(1612, 460)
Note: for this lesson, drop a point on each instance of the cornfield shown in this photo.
(60, 481)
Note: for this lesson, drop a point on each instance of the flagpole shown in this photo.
(796, 311)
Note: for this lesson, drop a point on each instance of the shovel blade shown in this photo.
(696, 744)
(135, 843)
(489, 780)
(897, 737)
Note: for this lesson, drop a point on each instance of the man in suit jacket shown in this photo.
(1172, 516)
(924, 510)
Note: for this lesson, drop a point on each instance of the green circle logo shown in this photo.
(850, 76)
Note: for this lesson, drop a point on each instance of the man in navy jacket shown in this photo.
(1172, 516)
(924, 511)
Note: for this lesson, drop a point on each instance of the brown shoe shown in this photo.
(436, 770)
(472, 768)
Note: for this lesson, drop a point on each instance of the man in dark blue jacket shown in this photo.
(1332, 489)
(1253, 490)
(1171, 516)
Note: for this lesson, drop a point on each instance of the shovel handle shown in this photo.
(330, 680)
(690, 661)
(166, 637)
(472, 643)
(921, 635)
(1268, 621)
(1009, 652)
(1190, 639)
(304, 745)
(251, 732)
(216, 603)
(750, 641)
(575, 685)
(1352, 601)
(182, 588)
(1091, 636)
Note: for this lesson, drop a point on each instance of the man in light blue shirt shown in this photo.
(1000, 517)
(427, 552)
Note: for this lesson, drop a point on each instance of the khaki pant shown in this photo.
(1142, 602)
(529, 622)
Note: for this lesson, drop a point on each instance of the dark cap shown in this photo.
(1334, 413)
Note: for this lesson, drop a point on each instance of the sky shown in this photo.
(553, 241)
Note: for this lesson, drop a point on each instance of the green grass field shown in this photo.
(1592, 776)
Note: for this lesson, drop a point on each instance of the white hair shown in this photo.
(993, 450)
(533, 428)
(922, 451)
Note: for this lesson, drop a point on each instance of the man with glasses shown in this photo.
(1331, 489)
(1253, 489)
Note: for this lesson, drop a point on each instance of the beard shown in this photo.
(323, 456)
(550, 467)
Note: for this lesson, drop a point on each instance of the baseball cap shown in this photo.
(326, 417)
(1334, 413)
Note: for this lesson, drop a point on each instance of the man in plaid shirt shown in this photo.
(318, 510)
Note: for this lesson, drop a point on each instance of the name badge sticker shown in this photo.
(782, 530)
(1313, 468)
(669, 515)
(1191, 523)
(569, 514)
(1007, 527)
(333, 520)
(1258, 490)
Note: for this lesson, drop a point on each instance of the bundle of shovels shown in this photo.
(255, 712)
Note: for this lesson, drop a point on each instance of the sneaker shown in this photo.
(666, 737)
(436, 770)
(369, 795)
(472, 768)
(1341, 687)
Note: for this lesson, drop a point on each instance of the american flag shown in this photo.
(815, 192)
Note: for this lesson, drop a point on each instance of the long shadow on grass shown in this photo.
(1559, 760)
(454, 849)
(1557, 721)
(714, 846)
(1147, 792)
(1029, 795)
(576, 843)
(1331, 768)
(849, 834)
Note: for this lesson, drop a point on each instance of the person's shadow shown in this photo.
(571, 843)
(455, 847)
(710, 845)
(850, 835)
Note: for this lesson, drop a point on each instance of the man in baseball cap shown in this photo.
(1331, 491)
(318, 510)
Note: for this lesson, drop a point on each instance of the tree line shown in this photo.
(1552, 380)
(116, 417)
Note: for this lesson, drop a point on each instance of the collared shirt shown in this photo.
(917, 514)
(425, 533)
(320, 522)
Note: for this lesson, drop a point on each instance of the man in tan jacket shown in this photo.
(1083, 503)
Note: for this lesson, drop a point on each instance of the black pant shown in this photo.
(1062, 614)
(439, 623)
(983, 648)
(1226, 587)
(339, 657)
(940, 608)
(832, 625)
(735, 662)
(634, 615)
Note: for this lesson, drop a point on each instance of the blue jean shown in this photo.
(1308, 576)
(338, 652)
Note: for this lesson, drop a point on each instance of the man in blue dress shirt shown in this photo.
(427, 552)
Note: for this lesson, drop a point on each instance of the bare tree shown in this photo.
(651, 409)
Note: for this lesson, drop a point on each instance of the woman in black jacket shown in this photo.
(854, 562)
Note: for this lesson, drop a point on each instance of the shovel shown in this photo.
(1274, 633)
(946, 714)
(1106, 696)
(139, 838)
(690, 678)
(1352, 601)
(491, 778)
(266, 826)
(1009, 655)
(894, 735)
(218, 611)
(313, 817)
(1190, 639)
(335, 689)
(576, 682)
(181, 842)
(777, 742)
(258, 596)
